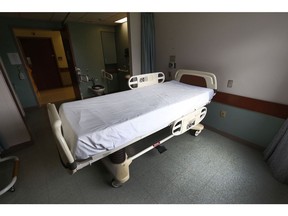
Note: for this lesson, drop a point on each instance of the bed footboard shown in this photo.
(64, 152)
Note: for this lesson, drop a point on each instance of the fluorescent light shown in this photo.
(121, 20)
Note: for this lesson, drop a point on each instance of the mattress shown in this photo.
(103, 123)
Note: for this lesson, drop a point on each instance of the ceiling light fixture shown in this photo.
(121, 20)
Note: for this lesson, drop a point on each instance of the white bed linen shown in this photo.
(103, 123)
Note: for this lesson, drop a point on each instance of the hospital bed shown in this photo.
(100, 128)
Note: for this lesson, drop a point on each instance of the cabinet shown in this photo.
(13, 130)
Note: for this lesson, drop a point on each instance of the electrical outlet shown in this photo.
(172, 65)
(172, 62)
(21, 75)
(223, 114)
(230, 83)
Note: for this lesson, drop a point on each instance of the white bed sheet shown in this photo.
(103, 123)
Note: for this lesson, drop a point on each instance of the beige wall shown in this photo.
(249, 48)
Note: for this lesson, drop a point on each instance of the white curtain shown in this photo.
(276, 154)
(147, 43)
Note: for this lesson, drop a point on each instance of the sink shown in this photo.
(126, 73)
(98, 89)
(123, 70)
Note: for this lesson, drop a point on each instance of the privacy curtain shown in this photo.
(147, 43)
(276, 154)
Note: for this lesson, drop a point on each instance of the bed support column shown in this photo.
(118, 164)
(197, 129)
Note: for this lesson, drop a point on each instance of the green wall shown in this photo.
(122, 43)
(22, 88)
(87, 49)
(248, 125)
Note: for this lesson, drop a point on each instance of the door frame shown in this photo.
(29, 75)
(68, 48)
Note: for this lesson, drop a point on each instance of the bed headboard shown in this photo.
(198, 78)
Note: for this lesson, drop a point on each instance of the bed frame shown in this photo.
(116, 160)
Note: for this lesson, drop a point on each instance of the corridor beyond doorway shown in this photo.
(56, 95)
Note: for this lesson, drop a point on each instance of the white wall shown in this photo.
(249, 48)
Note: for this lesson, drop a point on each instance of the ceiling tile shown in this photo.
(95, 18)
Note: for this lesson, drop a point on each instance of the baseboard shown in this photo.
(265, 107)
(15, 148)
(235, 138)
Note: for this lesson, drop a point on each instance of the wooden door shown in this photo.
(40, 56)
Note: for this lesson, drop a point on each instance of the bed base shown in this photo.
(120, 170)
(118, 162)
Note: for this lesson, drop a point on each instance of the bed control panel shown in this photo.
(143, 80)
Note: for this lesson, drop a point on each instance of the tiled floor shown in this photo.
(194, 170)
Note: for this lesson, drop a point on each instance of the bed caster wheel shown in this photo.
(12, 189)
(195, 132)
(115, 183)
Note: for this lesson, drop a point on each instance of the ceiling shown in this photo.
(100, 18)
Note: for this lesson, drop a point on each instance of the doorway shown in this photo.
(40, 57)
(110, 60)
(44, 58)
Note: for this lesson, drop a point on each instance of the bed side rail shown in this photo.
(189, 121)
(143, 80)
(210, 78)
(63, 149)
